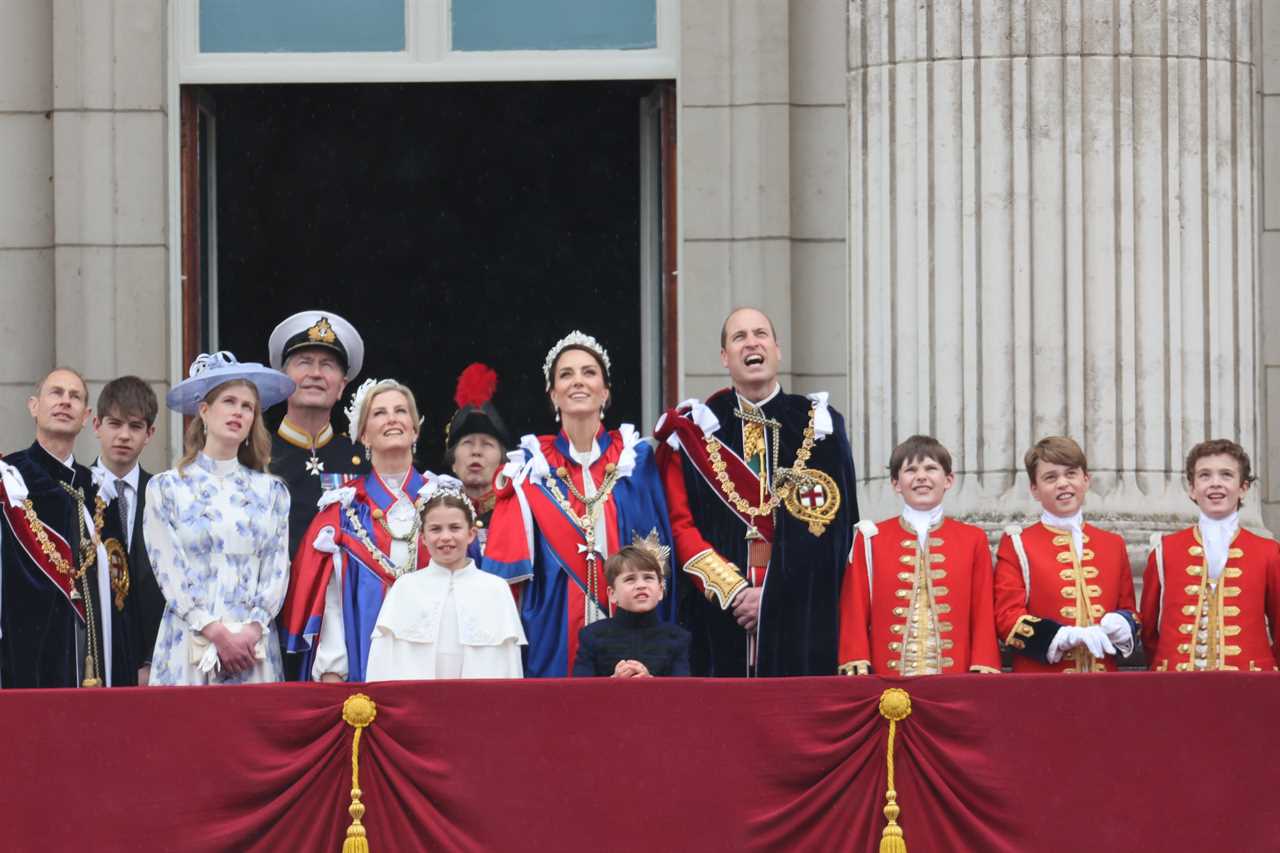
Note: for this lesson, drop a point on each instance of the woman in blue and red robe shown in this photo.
(366, 535)
(567, 501)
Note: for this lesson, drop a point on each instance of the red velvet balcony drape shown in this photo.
(984, 763)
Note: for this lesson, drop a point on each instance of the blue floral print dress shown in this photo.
(218, 538)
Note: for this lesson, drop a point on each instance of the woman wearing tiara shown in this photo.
(565, 502)
(217, 530)
(366, 535)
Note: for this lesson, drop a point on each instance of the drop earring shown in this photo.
(557, 414)
(368, 455)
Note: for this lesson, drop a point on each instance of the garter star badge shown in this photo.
(118, 567)
(815, 499)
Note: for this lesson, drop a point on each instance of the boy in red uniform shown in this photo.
(916, 597)
(1210, 591)
(1063, 588)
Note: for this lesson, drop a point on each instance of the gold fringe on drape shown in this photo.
(358, 711)
(895, 706)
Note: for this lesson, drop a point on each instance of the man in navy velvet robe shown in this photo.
(760, 485)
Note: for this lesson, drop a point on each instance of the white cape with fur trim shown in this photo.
(406, 637)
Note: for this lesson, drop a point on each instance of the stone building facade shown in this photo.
(985, 220)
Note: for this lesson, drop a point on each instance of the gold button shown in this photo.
(377, 513)
(355, 460)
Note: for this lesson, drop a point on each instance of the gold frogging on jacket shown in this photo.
(1079, 594)
(922, 643)
(1207, 647)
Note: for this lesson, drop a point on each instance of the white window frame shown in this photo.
(428, 56)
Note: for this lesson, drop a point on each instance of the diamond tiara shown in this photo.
(574, 339)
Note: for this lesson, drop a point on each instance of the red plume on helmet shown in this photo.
(476, 385)
(476, 412)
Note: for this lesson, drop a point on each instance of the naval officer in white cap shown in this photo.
(321, 352)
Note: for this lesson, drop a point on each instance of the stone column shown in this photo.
(26, 211)
(763, 185)
(735, 175)
(1266, 30)
(1052, 231)
(110, 184)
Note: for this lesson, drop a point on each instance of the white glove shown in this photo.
(1067, 638)
(1118, 631)
(1097, 642)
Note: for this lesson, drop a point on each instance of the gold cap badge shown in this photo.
(321, 332)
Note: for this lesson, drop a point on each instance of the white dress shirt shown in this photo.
(127, 486)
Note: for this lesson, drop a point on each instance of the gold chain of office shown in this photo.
(587, 521)
(384, 560)
(88, 547)
(783, 479)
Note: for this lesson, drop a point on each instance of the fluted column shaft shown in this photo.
(1051, 231)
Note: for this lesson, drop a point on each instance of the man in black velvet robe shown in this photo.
(760, 485)
(61, 563)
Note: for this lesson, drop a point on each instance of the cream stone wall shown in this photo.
(1267, 110)
(26, 210)
(763, 179)
(83, 244)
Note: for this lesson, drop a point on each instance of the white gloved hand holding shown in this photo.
(1119, 632)
(1067, 638)
(1097, 642)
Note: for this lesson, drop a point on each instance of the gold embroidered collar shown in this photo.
(301, 438)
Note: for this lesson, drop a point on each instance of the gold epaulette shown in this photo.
(721, 579)
(855, 667)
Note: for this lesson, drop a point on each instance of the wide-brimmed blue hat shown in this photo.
(210, 370)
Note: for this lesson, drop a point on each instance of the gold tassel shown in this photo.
(358, 711)
(895, 706)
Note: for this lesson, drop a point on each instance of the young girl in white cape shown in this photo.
(449, 619)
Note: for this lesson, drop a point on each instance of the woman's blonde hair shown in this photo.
(255, 452)
(381, 388)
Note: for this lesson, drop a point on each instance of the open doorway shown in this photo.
(450, 223)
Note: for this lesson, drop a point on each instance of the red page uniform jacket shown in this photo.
(1041, 585)
(907, 610)
(1191, 622)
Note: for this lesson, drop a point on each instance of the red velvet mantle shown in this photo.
(984, 763)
